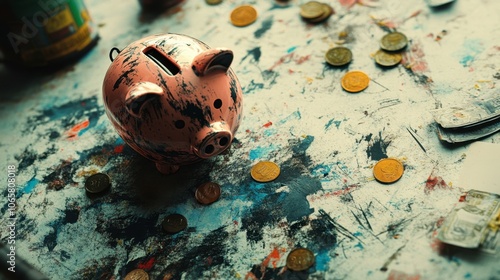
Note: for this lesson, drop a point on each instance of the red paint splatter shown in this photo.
(248, 131)
(282, 60)
(400, 275)
(118, 149)
(334, 193)
(73, 132)
(348, 3)
(272, 258)
(250, 276)
(268, 124)
(435, 182)
(302, 59)
(209, 260)
(414, 58)
(147, 265)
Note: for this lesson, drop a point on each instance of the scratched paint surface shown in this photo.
(325, 140)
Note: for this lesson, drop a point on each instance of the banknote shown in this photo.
(468, 115)
(468, 133)
(468, 225)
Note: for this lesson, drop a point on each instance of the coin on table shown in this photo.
(311, 10)
(265, 171)
(207, 193)
(393, 41)
(355, 81)
(300, 259)
(338, 56)
(388, 170)
(387, 59)
(243, 15)
(327, 12)
(213, 2)
(174, 223)
(137, 274)
(97, 183)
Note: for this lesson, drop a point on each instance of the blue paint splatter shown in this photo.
(332, 121)
(359, 245)
(270, 132)
(468, 275)
(262, 152)
(291, 49)
(470, 49)
(30, 185)
(293, 116)
(266, 25)
(322, 260)
(119, 141)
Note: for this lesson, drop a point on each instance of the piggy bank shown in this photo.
(173, 99)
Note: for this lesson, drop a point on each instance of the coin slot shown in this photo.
(217, 103)
(223, 141)
(209, 149)
(162, 61)
(179, 124)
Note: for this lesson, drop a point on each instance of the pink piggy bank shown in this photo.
(173, 99)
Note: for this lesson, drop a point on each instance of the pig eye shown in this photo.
(217, 103)
(179, 124)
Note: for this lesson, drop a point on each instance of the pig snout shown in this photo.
(213, 140)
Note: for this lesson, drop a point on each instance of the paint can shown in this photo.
(36, 33)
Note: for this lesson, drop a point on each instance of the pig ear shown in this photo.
(218, 58)
(139, 95)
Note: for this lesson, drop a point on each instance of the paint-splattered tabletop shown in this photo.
(326, 141)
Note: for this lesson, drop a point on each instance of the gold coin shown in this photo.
(137, 274)
(388, 170)
(384, 58)
(393, 41)
(311, 10)
(265, 171)
(355, 81)
(207, 193)
(174, 223)
(300, 259)
(243, 15)
(338, 56)
(327, 12)
(213, 2)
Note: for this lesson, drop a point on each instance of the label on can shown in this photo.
(38, 33)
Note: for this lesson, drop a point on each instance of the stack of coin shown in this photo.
(243, 15)
(390, 46)
(316, 12)
(338, 56)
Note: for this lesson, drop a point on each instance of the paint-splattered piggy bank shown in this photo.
(173, 99)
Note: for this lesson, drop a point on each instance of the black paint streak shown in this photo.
(212, 251)
(196, 113)
(71, 216)
(292, 205)
(266, 25)
(131, 228)
(378, 149)
(255, 53)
